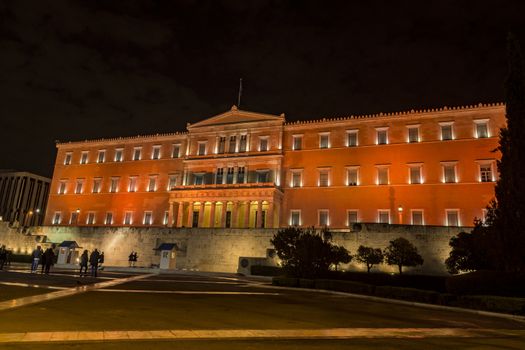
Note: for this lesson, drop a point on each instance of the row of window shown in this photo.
(90, 218)
(118, 155)
(481, 130)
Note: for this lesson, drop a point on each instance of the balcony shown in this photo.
(225, 186)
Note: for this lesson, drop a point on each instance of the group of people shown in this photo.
(132, 259)
(45, 258)
(4, 257)
(95, 260)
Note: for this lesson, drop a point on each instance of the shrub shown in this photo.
(262, 270)
(352, 287)
(493, 303)
(306, 283)
(412, 294)
(401, 252)
(285, 281)
(487, 283)
(369, 256)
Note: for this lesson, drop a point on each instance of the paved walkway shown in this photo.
(233, 334)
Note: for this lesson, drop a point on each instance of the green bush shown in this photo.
(285, 281)
(487, 283)
(411, 294)
(261, 270)
(493, 303)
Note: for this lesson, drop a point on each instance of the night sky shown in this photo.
(75, 70)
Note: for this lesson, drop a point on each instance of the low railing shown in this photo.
(224, 186)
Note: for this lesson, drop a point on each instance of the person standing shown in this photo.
(84, 262)
(101, 261)
(135, 258)
(93, 261)
(49, 258)
(130, 258)
(3, 256)
(36, 256)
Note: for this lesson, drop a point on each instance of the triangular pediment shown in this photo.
(237, 116)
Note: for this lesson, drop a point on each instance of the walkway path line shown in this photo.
(14, 303)
(229, 334)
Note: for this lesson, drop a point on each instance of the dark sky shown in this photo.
(74, 70)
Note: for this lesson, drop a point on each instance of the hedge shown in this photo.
(411, 294)
(487, 283)
(493, 303)
(262, 270)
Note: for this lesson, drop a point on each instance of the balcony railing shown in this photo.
(224, 186)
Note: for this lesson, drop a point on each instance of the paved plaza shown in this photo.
(190, 310)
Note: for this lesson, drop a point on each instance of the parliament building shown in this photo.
(244, 169)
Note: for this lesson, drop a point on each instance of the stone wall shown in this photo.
(219, 250)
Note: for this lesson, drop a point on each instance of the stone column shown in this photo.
(180, 215)
(235, 216)
(259, 214)
(201, 214)
(223, 213)
(212, 214)
(170, 215)
(190, 214)
(269, 215)
(247, 215)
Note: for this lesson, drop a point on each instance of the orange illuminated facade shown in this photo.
(243, 169)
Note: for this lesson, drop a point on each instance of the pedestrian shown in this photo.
(93, 261)
(84, 262)
(135, 258)
(43, 261)
(49, 258)
(36, 256)
(101, 261)
(3, 256)
(130, 258)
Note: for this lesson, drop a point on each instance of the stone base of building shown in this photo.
(219, 249)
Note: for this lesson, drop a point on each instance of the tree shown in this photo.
(305, 253)
(369, 256)
(401, 252)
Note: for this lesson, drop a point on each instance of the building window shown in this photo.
(242, 143)
(101, 156)
(113, 185)
(382, 176)
(446, 131)
(383, 216)
(297, 142)
(128, 218)
(263, 176)
(324, 140)
(109, 218)
(413, 134)
(198, 179)
(172, 182)
(241, 173)
(195, 220)
(166, 218)
(323, 219)
(201, 151)
(79, 186)
(152, 184)
(415, 174)
(62, 187)
(73, 220)
(148, 218)
(84, 157)
(417, 217)
(482, 128)
(57, 218)
(263, 143)
(295, 218)
(137, 153)
(229, 175)
(219, 176)
(233, 144)
(485, 173)
(155, 154)
(324, 178)
(222, 144)
(297, 180)
(352, 176)
(351, 138)
(90, 219)
(67, 159)
(381, 136)
(175, 151)
(118, 155)
(96, 185)
(352, 217)
(449, 173)
(452, 217)
(132, 185)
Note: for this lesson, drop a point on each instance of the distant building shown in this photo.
(23, 197)
(245, 169)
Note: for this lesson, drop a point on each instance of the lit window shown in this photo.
(417, 217)
(383, 216)
(485, 173)
(118, 154)
(90, 219)
(84, 157)
(137, 153)
(113, 185)
(446, 131)
(413, 134)
(79, 186)
(324, 178)
(148, 218)
(57, 218)
(382, 176)
(324, 219)
(449, 173)
(452, 217)
(241, 175)
(172, 182)
(324, 140)
(155, 154)
(352, 176)
(101, 156)
(296, 179)
(219, 176)
(295, 218)
(128, 218)
(263, 176)
(229, 175)
(221, 146)
(198, 179)
(297, 142)
(67, 159)
(415, 174)
(152, 185)
(109, 218)
(351, 138)
(166, 218)
(62, 187)
(96, 185)
(132, 186)
(381, 136)
(201, 151)
(233, 144)
(482, 128)
(352, 217)
(73, 220)
(242, 143)
(175, 151)
(263, 144)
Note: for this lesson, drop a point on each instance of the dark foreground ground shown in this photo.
(226, 304)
